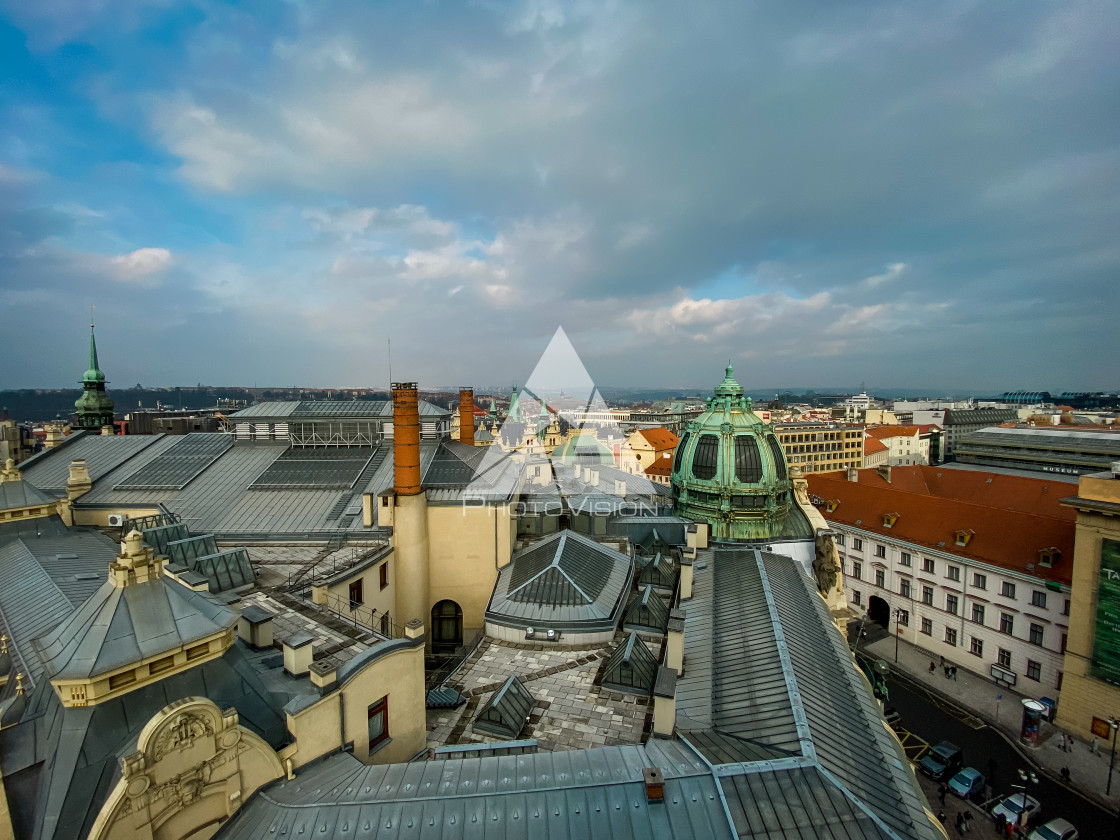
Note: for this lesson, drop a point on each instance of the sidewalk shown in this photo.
(1088, 772)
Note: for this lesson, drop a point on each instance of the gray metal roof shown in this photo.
(506, 712)
(317, 468)
(18, 494)
(49, 469)
(332, 409)
(631, 667)
(118, 626)
(783, 686)
(646, 611)
(564, 582)
(60, 764)
(178, 465)
(43, 580)
(577, 793)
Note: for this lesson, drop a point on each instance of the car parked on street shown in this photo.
(967, 783)
(942, 761)
(1013, 806)
(1056, 829)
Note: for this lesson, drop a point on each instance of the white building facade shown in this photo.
(1008, 627)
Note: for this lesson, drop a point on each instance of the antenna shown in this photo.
(390, 364)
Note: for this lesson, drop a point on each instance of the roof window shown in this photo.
(962, 537)
(1047, 557)
(889, 519)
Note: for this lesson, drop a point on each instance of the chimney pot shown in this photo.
(406, 439)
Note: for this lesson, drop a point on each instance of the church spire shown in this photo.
(94, 408)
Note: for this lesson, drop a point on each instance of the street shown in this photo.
(981, 746)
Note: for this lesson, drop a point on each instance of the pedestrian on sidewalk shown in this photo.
(953, 671)
(1069, 742)
(931, 666)
(1001, 824)
(1096, 742)
(942, 661)
(960, 823)
(945, 668)
(941, 791)
(967, 820)
(1065, 775)
(941, 816)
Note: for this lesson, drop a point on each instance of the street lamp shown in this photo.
(1027, 778)
(897, 631)
(1114, 723)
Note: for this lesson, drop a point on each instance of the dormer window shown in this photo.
(962, 537)
(889, 519)
(1047, 557)
(831, 505)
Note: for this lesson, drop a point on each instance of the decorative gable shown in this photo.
(962, 537)
(1048, 557)
(889, 519)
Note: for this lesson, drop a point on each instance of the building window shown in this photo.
(880, 578)
(857, 544)
(839, 539)
(1008, 589)
(902, 618)
(1058, 684)
(954, 573)
(198, 651)
(951, 602)
(856, 597)
(857, 570)
(379, 722)
(1006, 623)
(927, 626)
(979, 581)
(1065, 607)
(905, 558)
(880, 551)
(1065, 640)
(927, 595)
(950, 636)
(976, 647)
(1037, 631)
(356, 593)
(1034, 670)
(383, 574)
(1003, 658)
(165, 663)
(1038, 599)
(904, 588)
(978, 613)
(927, 565)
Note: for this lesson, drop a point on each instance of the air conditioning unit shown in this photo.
(116, 520)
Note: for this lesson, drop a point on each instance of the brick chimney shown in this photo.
(406, 439)
(466, 416)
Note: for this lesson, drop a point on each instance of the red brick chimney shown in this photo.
(406, 439)
(466, 416)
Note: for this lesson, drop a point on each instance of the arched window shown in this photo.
(680, 453)
(447, 626)
(748, 460)
(704, 459)
(779, 457)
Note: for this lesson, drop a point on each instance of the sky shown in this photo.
(826, 194)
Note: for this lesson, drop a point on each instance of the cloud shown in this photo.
(893, 272)
(140, 265)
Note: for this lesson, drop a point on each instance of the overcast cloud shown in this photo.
(907, 195)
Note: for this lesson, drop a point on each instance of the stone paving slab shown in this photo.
(570, 711)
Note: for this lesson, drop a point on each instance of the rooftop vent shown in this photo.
(655, 784)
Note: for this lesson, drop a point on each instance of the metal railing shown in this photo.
(443, 665)
(374, 621)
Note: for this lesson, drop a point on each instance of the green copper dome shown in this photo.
(729, 469)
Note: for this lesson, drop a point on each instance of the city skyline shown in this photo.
(270, 193)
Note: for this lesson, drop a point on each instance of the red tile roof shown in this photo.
(662, 466)
(1013, 517)
(871, 446)
(882, 432)
(659, 438)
